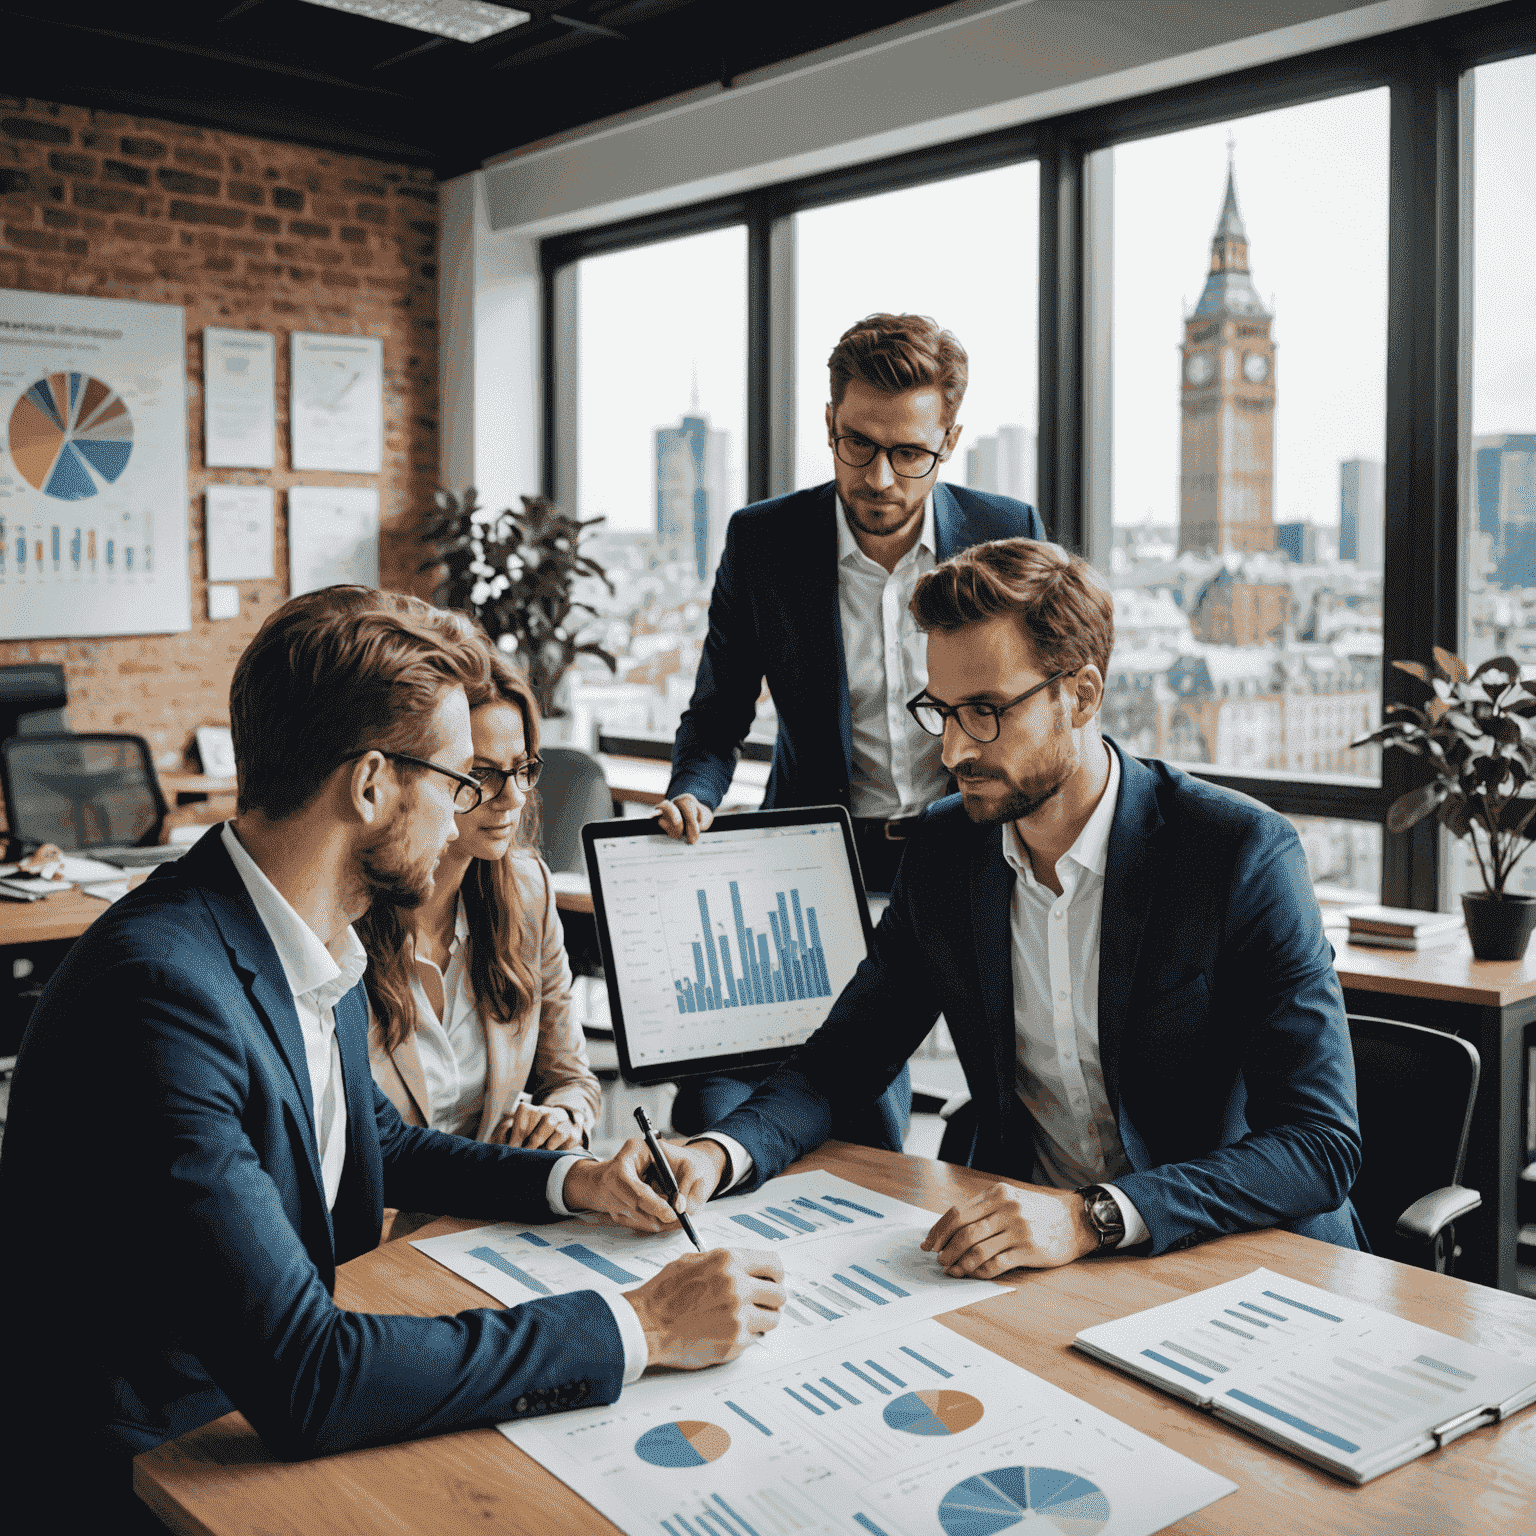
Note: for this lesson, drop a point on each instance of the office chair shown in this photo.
(1415, 1088)
(95, 793)
(32, 698)
(573, 790)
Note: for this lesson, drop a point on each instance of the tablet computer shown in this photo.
(728, 953)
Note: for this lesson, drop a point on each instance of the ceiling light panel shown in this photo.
(465, 21)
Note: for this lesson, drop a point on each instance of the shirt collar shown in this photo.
(1091, 849)
(848, 546)
(307, 963)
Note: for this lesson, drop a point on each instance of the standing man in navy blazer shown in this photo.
(196, 1142)
(1131, 963)
(812, 594)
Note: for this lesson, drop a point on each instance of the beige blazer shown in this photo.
(546, 1055)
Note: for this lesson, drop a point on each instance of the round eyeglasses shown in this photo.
(911, 461)
(466, 794)
(981, 722)
(493, 780)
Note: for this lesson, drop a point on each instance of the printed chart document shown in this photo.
(333, 536)
(239, 399)
(851, 1260)
(1346, 1386)
(239, 523)
(912, 1432)
(336, 406)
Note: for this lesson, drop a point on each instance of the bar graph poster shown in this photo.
(737, 944)
(93, 467)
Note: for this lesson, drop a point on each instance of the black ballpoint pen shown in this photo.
(665, 1176)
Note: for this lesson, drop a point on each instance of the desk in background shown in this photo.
(220, 1481)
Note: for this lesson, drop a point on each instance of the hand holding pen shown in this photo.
(664, 1175)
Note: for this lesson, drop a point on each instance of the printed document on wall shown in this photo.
(239, 532)
(336, 402)
(333, 536)
(93, 467)
(239, 399)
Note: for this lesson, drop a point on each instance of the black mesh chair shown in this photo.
(573, 790)
(1415, 1089)
(94, 793)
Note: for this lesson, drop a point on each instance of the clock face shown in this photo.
(1256, 368)
(1199, 369)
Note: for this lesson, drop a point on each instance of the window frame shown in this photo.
(1426, 69)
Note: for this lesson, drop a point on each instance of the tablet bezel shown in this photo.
(636, 826)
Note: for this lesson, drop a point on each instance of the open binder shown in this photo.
(1350, 1388)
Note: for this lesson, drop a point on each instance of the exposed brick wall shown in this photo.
(244, 233)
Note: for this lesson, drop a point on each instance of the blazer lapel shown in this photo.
(991, 900)
(1130, 876)
(407, 1060)
(814, 572)
(357, 1221)
(949, 531)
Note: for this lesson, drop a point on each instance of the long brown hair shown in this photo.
(500, 974)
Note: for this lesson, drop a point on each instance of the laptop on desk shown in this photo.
(726, 954)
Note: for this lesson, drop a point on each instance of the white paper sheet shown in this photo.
(239, 400)
(336, 407)
(239, 532)
(333, 536)
(915, 1432)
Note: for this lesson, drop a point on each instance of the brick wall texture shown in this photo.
(249, 234)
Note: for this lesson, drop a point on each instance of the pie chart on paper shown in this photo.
(687, 1443)
(1009, 1496)
(68, 432)
(933, 1411)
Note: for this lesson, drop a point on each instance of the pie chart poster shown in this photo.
(93, 467)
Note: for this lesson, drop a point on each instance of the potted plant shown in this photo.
(1478, 734)
(516, 571)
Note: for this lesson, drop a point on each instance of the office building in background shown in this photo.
(691, 461)
(1003, 463)
(1362, 508)
(1504, 504)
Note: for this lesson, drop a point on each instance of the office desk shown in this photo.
(220, 1481)
(1492, 1003)
(64, 915)
(643, 781)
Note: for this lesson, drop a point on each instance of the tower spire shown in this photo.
(693, 401)
(1229, 287)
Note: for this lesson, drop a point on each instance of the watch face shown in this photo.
(1255, 367)
(1199, 369)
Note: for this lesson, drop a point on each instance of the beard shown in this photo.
(1025, 796)
(866, 517)
(385, 872)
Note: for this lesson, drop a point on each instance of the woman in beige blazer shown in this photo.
(471, 1028)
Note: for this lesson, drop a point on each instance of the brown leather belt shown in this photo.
(895, 830)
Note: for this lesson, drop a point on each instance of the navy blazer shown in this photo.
(1222, 1033)
(774, 613)
(161, 1175)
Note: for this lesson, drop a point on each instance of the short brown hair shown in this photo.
(335, 671)
(1064, 605)
(893, 353)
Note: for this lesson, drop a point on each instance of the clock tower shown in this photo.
(1227, 403)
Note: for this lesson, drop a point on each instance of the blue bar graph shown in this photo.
(530, 1237)
(859, 1290)
(1290, 1418)
(868, 1524)
(869, 1381)
(827, 1381)
(821, 1397)
(595, 1261)
(811, 1205)
(882, 1370)
(748, 978)
(814, 1409)
(924, 1360)
(732, 1513)
(852, 1205)
(790, 1220)
(752, 1224)
(755, 1423)
(496, 1261)
(869, 1274)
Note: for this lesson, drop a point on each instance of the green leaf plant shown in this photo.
(1478, 735)
(515, 572)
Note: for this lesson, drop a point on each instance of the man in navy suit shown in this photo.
(1131, 963)
(195, 1140)
(812, 594)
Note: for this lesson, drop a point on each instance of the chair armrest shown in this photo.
(1430, 1214)
(953, 1106)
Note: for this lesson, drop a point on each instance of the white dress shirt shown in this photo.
(1055, 952)
(1057, 1076)
(451, 1049)
(897, 766)
(318, 982)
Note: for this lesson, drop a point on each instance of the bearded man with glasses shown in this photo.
(812, 596)
(1131, 962)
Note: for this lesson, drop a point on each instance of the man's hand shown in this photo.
(620, 1188)
(1008, 1227)
(705, 1308)
(539, 1126)
(684, 817)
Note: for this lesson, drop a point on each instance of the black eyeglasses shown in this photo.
(493, 780)
(467, 793)
(981, 722)
(910, 461)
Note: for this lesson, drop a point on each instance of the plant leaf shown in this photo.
(1413, 669)
(1451, 665)
(1410, 809)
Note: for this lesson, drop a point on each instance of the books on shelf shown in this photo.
(1352, 1389)
(1402, 927)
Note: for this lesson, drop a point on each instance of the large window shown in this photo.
(1229, 320)
(966, 253)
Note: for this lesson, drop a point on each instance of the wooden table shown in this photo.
(220, 1481)
(643, 781)
(1492, 1003)
(61, 916)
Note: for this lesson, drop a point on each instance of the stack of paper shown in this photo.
(1402, 927)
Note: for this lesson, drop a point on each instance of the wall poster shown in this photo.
(333, 536)
(239, 399)
(336, 405)
(93, 467)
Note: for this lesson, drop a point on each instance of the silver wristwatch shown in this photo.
(1104, 1215)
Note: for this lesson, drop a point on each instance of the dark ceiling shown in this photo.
(286, 69)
